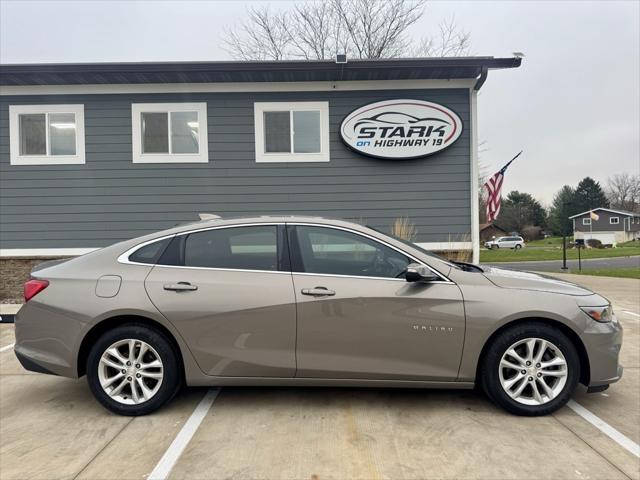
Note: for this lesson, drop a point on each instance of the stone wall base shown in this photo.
(14, 272)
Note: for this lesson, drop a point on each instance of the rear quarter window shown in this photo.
(149, 253)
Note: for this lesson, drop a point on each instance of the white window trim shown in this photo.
(586, 221)
(136, 133)
(611, 220)
(260, 107)
(14, 135)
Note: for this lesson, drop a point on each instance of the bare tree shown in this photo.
(263, 36)
(623, 191)
(449, 42)
(319, 30)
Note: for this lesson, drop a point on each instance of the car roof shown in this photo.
(265, 219)
(221, 222)
(122, 247)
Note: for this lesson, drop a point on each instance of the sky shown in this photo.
(573, 106)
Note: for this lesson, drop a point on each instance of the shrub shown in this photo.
(532, 233)
(404, 229)
(593, 243)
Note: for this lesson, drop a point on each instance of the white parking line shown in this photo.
(621, 439)
(173, 453)
(630, 313)
(6, 347)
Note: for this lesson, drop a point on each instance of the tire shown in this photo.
(518, 247)
(494, 247)
(161, 382)
(558, 348)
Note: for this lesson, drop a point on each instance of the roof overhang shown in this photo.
(619, 212)
(275, 71)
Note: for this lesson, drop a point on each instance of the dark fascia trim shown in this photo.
(390, 65)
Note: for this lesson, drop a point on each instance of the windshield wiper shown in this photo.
(468, 267)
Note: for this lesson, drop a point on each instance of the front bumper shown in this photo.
(603, 342)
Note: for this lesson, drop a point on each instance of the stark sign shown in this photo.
(400, 129)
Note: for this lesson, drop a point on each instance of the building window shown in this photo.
(46, 134)
(614, 220)
(586, 221)
(169, 132)
(292, 132)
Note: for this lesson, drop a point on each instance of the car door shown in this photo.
(229, 293)
(358, 317)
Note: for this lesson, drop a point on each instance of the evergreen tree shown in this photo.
(589, 195)
(520, 210)
(562, 208)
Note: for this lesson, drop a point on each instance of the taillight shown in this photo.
(34, 287)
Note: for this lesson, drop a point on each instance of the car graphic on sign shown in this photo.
(401, 129)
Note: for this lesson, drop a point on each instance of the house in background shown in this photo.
(489, 231)
(609, 226)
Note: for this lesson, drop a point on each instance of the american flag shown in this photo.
(494, 189)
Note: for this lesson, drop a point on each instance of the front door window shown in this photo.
(338, 252)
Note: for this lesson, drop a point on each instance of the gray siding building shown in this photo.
(91, 154)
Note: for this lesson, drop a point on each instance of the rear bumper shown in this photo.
(45, 340)
(31, 365)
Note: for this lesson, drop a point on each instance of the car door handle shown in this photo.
(318, 292)
(180, 287)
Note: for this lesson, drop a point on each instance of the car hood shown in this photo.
(531, 281)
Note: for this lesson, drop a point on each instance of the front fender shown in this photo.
(490, 308)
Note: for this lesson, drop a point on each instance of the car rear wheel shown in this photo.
(530, 369)
(133, 370)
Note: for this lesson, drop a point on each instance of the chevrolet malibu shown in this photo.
(313, 302)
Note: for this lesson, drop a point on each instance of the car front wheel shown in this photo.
(133, 370)
(518, 247)
(530, 369)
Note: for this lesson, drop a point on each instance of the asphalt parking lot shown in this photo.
(51, 427)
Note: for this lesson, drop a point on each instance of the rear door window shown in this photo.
(241, 248)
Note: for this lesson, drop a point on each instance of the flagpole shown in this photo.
(495, 191)
(511, 161)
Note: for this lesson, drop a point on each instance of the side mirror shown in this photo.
(419, 273)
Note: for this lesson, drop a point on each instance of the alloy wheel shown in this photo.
(533, 371)
(130, 371)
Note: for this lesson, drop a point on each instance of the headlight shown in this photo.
(599, 314)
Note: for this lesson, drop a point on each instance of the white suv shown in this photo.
(505, 242)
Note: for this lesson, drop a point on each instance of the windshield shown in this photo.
(429, 253)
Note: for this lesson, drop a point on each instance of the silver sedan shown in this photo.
(308, 301)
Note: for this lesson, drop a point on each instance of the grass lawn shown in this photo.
(555, 253)
(551, 241)
(622, 272)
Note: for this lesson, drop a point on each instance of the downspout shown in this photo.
(484, 72)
